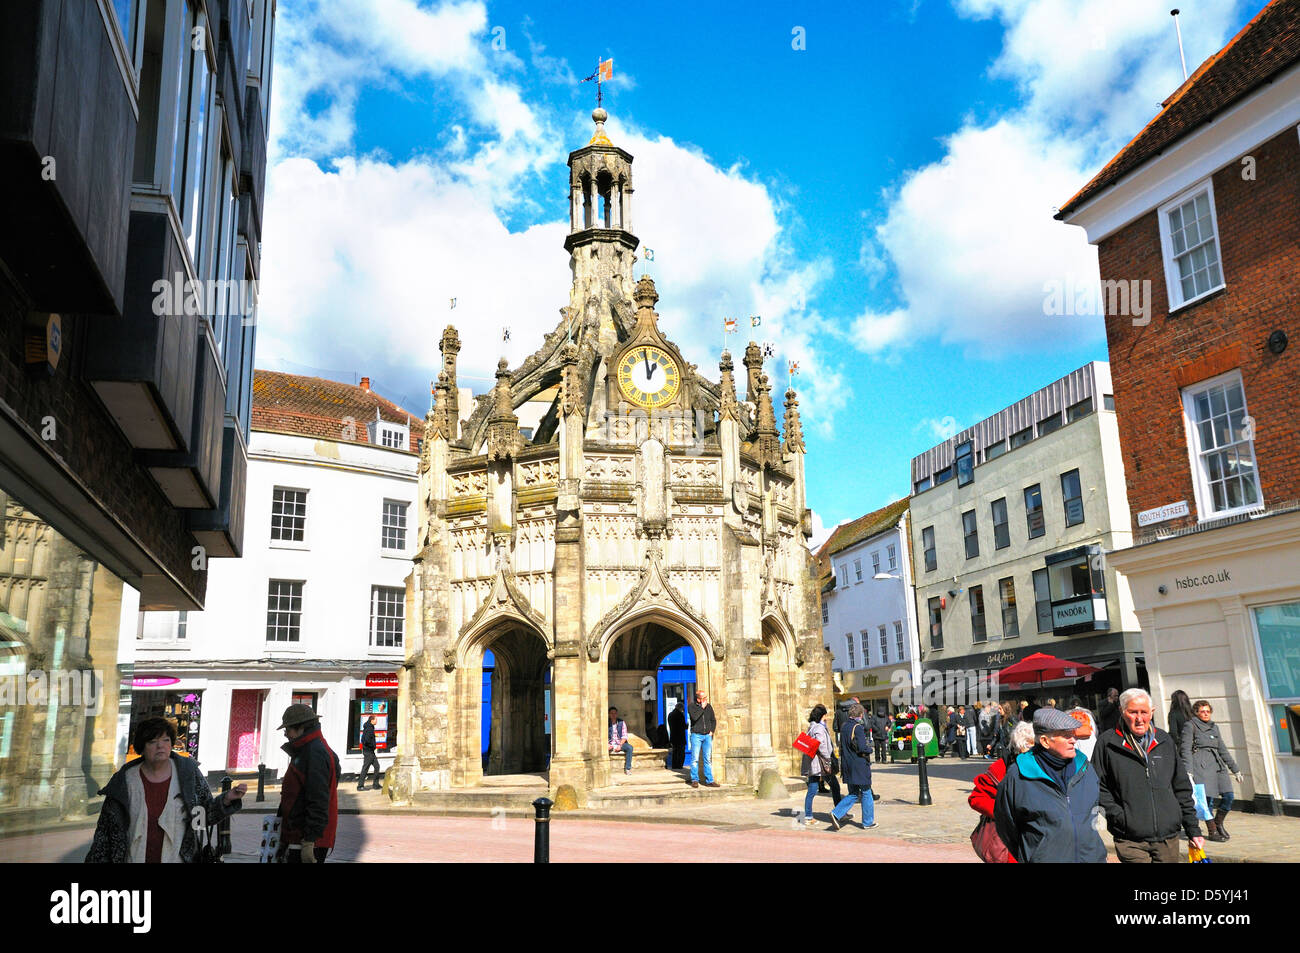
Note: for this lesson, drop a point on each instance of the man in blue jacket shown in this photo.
(855, 765)
(1048, 798)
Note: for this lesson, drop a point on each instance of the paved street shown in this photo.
(743, 831)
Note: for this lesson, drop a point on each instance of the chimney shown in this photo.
(365, 384)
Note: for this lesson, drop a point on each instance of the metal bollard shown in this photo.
(261, 783)
(542, 831)
(924, 778)
(224, 846)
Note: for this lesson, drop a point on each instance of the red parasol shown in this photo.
(1041, 667)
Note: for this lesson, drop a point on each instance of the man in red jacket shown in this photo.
(309, 805)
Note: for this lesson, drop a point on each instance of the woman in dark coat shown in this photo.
(855, 766)
(1180, 713)
(950, 732)
(1208, 759)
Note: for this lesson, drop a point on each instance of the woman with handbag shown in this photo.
(985, 838)
(821, 765)
(1210, 763)
(158, 809)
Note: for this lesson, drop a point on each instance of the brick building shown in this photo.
(133, 134)
(1204, 205)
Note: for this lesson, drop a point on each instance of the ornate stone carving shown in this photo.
(727, 408)
(793, 427)
(653, 589)
(504, 440)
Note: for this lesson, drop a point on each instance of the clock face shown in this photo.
(648, 377)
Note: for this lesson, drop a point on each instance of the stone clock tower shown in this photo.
(650, 510)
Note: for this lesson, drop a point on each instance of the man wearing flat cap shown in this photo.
(1047, 800)
(309, 805)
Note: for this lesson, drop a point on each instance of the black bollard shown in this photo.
(542, 831)
(261, 782)
(924, 776)
(224, 846)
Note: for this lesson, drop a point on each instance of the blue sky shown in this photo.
(883, 197)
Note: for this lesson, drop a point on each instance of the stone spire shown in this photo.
(765, 435)
(450, 347)
(503, 438)
(727, 409)
(754, 367)
(440, 417)
(793, 428)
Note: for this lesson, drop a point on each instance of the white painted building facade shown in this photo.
(314, 612)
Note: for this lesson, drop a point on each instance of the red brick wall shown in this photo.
(1259, 247)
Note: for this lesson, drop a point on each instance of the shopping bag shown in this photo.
(1202, 805)
(1195, 855)
(270, 839)
(988, 845)
(807, 744)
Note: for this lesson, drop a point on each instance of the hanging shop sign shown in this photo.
(153, 681)
(381, 680)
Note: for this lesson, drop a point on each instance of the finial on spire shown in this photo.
(793, 427)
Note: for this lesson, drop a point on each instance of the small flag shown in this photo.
(769, 349)
(729, 325)
(794, 368)
(606, 70)
(505, 334)
(649, 254)
(755, 320)
(453, 304)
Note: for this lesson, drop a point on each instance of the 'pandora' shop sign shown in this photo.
(1162, 513)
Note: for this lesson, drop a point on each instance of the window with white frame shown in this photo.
(893, 557)
(1222, 447)
(898, 640)
(842, 574)
(387, 612)
(826, 612)
(857, 570)
(283, 610)
(393, 533)
(288, 514)
(884, 646)
(866, 648)
(390, 435)
(875, 564)
(162, 627)
(852, 659)
(1189, 237)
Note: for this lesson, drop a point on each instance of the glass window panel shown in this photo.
(1217, 404)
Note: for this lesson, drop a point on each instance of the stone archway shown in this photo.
(631, 655)
(785, 719)
(507, 698)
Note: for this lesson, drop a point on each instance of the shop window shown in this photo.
(1078, 591)
(307, 698)
(382, 703)
(184, 709)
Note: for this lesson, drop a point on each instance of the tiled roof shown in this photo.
(854, 531)
(315, 407)
(1267, 45)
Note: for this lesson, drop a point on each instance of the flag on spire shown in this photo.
(755, 320)
(649, 254)
(794, 368)
(453, 304)
(606, 70)
(729, 325)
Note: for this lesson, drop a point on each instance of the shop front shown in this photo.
(885, 686)
(1220, 616)
(377, 699)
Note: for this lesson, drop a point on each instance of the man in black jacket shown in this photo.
(1145, 790)
(1108, 713)
(368, 757)
(880, 735)
(677, 735)
(703, 724)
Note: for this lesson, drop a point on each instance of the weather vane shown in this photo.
(604, 73)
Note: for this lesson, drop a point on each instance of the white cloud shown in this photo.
(971, 237)
(938, 428)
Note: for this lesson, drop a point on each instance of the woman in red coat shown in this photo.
(985, 794)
